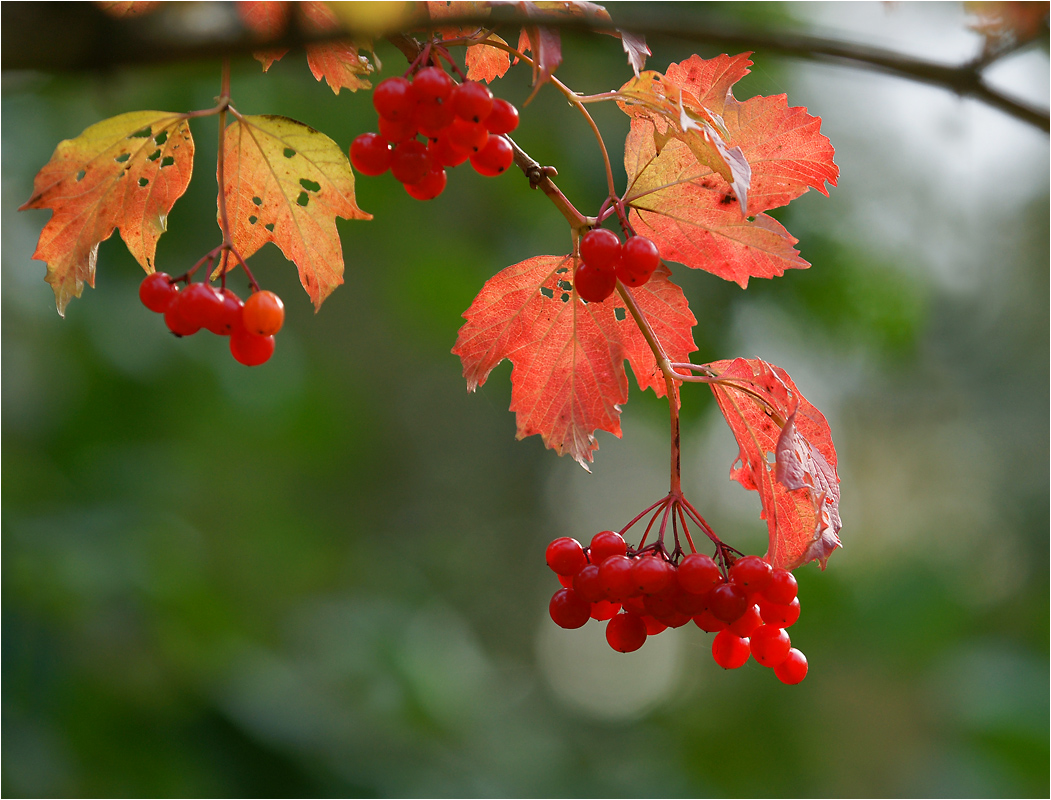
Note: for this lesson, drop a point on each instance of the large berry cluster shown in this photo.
(604, 260)
(251, 324)
(642, 593)
(458, 121)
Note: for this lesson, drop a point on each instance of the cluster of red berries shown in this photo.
(459, 121)
(251, 324)
(643, 593)
(604, 260)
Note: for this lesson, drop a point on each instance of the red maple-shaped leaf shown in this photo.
(681, 193)
(125, 172)
(484, 63)
(568, 379)
(786, 455)
(286, 183)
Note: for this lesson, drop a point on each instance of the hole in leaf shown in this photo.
(161, 137)
(252, 220)
(257, 200)
(303, 199)
(564, 298)
(80, 175)
(144, 133)
(289, 152)
(565, 286)
(562, 270)
(167, 161)
(549, 293)
(122, 158)
(143, 181)
(154, 155)
(309, 185)
(269, 226)
(620, 313)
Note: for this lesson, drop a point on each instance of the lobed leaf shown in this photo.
(568, 379)
(484, 63)
(286, 183)
(786, 455)
(268, 19)
(125, 172)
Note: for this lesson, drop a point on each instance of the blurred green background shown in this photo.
(325, 576)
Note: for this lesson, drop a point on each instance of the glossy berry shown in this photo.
(445, 153)
(727, 602)
(652, 575)
(586, 584)
(249, 349)
(228, 319)
(770, 645)
(783, 616)
(432, 85)
(432, 185)
(263, 313)
(751, 573)
(157, 292)
(393, 98)
(593, 285)
(729, 650)
(782, 587)
(565, 556)
(793, 669)
(568, 610)
(472, 101)
(616, 578)
(433, 118)
(370, 154)
(639, 259)
(626, 633)
(503, 118)
(397, 130)
(494, 158)
(698, 573)
(200, 304)
(707, 621)
(470, 136)
(653, 626)
(602, 610)
(606, 544)
(410, 162)
(566, 581)
(746, 624)
(176, 322)
(601, 249)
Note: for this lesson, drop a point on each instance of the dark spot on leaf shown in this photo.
(144, 133)
(252, 220)
(143, 181)
(289, 152)
(309, 185)
(726, 200)
(620, 313)
(303, 198)
(154, 155)
(269, 226)
(161, 137)
(80, 175)
(257, 200)
(122, 158)
(549, 293)
(167, 161)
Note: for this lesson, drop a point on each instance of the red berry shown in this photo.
(433, 118)
(748, 622)
(157, 291)
(707, 621)
(770, 645)
(782, 587)
(698, 573)
(393, 98)
(432, 185)
(652, 574)
(495, 157)
(783, 616)
(176, 322)
(615, 577)
(410, 162)
(432, 84)
(586, 584)
(443, 152)
(601, 249)
(263, 313)
(602, 610)
(653, 625)
(639, 259)
(503, 118)
(472, 101)
(751, 574)
(566, 581)
(565, 556)
(793, 669)
(626, 633)
(470, 136)
(729, 650)
(229, 318)
(727, 602)
(568, 610)
(370, 154)
(606, 544)
(200, 304)
(397, 130)
(249, 349)
(593, 285)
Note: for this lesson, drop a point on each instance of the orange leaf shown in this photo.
(786, 455)
(338, 62)
(568, 378)
(268, 19)
(125, 172)
(286, 183)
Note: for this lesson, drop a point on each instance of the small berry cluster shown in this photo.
(604, 260)
(459, 121)
(251, 324)
(644, 593)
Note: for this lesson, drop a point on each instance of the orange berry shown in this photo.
(263, 314)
